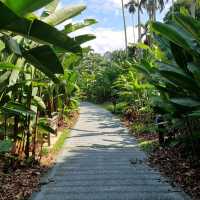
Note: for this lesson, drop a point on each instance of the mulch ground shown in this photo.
(21, 183)
(174, 164)
(182, 171)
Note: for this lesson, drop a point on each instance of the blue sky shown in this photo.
(109, 30)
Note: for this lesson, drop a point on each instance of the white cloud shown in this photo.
(107, 39)
(118, 3)
(106, 5)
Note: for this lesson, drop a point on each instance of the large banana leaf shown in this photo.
(36, 30)
(181, 56)
(13, 46)
(63, 14)
(17, 109)
(194, 68)
(4, 77)
(177, 76)
(84, 38)
(22, 7)
(52, 6)
(186, 102)
(43, 125)
(176, 35)
(15, 72)
(74, 27)
(37, 101)
(185, 83)
(195, 114)
(189, 24)
(45, 60)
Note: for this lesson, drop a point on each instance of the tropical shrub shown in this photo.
(175, 75)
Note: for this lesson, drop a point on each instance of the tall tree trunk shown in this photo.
(192, 8)
(139, 23)
(173, 10)
(154, 11)
(133, 21)
(28, 122)
(124, 20)
(16, 127)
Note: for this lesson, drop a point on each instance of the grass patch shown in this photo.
(58, 145)
(140, 127)
(148, 145)
(45, 151)
(108, 106)
(119, 107)
(60, 142)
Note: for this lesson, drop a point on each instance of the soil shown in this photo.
(183, 171)
(21, 183)
(174, 163)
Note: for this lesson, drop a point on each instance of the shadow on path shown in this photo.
(101, 161)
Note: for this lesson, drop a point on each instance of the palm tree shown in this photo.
(124, 20)
(131, 6)
(151, 6)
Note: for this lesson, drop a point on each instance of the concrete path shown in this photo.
(101, 161)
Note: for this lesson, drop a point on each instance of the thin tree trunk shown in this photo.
(28, 121)
(154, 12)
(34, 140)
(124, 20)
(35, 134)
(172, 9)
(139, 23)
(192, 8)
(5, 127)
(133, 21)
(16, 127)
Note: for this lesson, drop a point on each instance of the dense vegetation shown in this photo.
(160, 77)
(155, 88)
(153, 84)
(38, 87)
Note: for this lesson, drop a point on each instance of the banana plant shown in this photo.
(34, 67)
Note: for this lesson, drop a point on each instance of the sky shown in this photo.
(109, 29)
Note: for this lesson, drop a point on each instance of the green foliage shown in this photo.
(183, 7)
(22, 7)
(5, 146)
(12, 108)
(97, 74)
(171, 68)
(64, 14)
(179, 74)
(60, 142)
(58, 145)
(118, 110)
(141, 127)
(38, 85)
(148, 145)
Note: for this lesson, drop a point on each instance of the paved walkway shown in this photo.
(101, 161)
